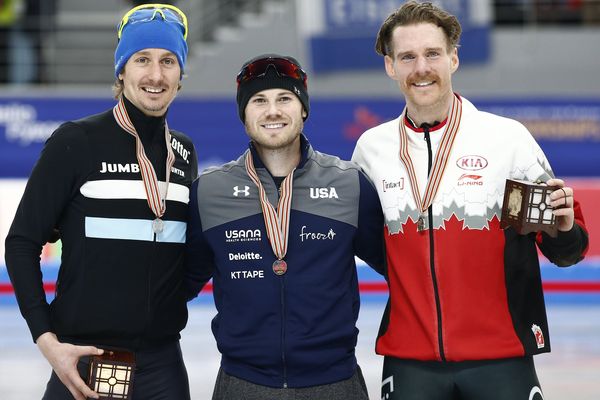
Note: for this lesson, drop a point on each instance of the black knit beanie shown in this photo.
(270, 80)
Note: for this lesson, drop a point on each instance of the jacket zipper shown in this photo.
(282, 302)
(149, 291)
(431, 250)
(149, 296)
(285, 385)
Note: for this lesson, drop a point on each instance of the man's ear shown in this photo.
(454, 61)
(389, 67)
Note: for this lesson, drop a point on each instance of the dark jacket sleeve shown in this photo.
(199, 257)
(52, 183)
(567, 248)
(194, 163)
(369, 241)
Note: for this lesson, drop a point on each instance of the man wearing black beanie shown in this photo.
(295, 83)
(278, 230)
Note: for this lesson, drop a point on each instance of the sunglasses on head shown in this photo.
(149, 12)
(259, 68)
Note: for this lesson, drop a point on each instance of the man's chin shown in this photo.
(154, 109)
(424, 99)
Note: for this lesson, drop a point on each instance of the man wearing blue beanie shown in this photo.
(116, 187)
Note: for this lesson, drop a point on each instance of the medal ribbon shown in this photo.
(156, 200)
(277, 222)
(441, 157)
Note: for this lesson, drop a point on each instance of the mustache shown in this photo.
(420, 78)
(159, 84)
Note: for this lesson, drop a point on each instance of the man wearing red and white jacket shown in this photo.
(466, 309)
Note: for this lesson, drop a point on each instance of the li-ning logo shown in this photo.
(470, 180)
(243, 235)
(539, 336)
(323, 193)
(245, 191)
(386, 391)
(471, 163)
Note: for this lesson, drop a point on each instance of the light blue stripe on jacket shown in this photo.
(134, 229)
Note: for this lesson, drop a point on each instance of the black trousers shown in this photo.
(503, 379)
(160, 374)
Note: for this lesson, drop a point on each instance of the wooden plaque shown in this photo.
(526, 208)
(111, 374)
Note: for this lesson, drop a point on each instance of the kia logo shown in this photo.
(471, 163)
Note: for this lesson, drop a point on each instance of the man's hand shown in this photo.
(562, 201)
(63, 358)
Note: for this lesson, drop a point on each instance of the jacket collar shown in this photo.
(146, 126)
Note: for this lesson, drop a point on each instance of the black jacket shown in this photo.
(118, 283)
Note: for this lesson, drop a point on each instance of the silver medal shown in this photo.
(158, 225)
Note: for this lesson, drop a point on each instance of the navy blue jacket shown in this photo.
(297, 329)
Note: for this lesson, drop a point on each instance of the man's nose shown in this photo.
(422, 66)
(273, 109)
(155, 72)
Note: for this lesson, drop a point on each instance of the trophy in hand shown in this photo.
(526, 208)
(111, 374)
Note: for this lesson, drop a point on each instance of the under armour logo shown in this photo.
(237, 191)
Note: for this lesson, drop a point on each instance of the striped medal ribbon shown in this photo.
(439, 164)
(156, 199)
(277, 222)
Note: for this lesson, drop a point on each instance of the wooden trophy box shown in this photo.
(526, 208)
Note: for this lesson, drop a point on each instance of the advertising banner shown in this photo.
(567, 130)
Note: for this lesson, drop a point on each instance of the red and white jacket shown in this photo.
(462, 288)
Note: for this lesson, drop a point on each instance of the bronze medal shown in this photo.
(279, 267)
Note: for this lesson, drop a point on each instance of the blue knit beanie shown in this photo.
(156, 33)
